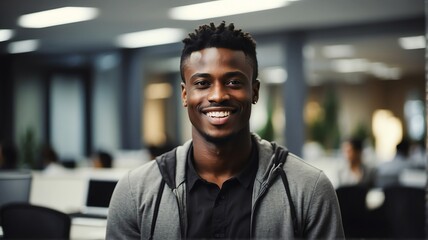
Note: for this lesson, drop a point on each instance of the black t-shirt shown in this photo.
(220, 213)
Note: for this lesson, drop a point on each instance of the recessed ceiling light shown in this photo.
(220, 8)
(415, 42)
(57, 16)
(5, 34)
(23, 46)
(150, 37)
(338, 51)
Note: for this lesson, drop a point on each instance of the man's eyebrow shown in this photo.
(226, 75)
(200, 75)
(235, 73)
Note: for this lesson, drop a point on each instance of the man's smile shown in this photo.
(218, 114)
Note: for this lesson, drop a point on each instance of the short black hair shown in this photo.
(106, 159)
(221, 36)
(356, 143)
(403, 147)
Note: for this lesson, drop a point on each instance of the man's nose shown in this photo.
(218, 93)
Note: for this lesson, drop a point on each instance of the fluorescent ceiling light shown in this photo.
(415, 42)
(219, 8)
(23, 46)
(381, 70)
(338, 51)
(274, 75)
(150, 37)
(350, 65)
(5, 34)
(378, 69)
(57, 16)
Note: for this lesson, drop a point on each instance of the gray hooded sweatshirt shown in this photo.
(141, 208)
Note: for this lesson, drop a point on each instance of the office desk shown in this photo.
(81, 231)
(88, 229)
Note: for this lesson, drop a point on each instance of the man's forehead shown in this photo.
(210, 59)
(210, 54)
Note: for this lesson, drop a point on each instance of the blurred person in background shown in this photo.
(354, 171)
(102, 159)
(388, 173)
(50, 161)
(226, 182)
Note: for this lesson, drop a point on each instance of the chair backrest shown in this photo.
(352, 199)
(352, 202)
(405, 212)
(26, 221)
(15, 186)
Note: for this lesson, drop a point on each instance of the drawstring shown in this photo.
(292, 208)
(155, 214)
(280, 159)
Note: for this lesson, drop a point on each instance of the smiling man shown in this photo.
(226, 182)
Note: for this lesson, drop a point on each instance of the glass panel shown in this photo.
(66, 116)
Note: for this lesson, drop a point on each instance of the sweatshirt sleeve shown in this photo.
(323, 219)
(122, 221)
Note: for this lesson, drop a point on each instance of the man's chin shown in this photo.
(220, 138)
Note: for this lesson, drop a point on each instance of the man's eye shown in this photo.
(202, 83)
(234, 82)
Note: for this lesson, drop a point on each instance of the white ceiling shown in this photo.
(117, 17)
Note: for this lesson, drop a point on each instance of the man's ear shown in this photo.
(183, 94)
(256, 87)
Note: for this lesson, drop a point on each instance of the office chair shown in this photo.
(352, 202)
(26, 221)
(405, 212)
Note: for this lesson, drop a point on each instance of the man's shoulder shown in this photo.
(297, 169)
(164, 166)
(294, 161)
(300, 170)
(142, 171)
(307, 181)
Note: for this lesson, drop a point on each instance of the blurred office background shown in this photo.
(329, 70)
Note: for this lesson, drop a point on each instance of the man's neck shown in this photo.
(217, 162)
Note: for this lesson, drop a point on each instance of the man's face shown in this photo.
(350, 153)
(218, 92)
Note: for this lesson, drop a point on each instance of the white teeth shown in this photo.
(221, 114)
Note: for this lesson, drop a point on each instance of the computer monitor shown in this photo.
(15, 186)
(98, 195)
